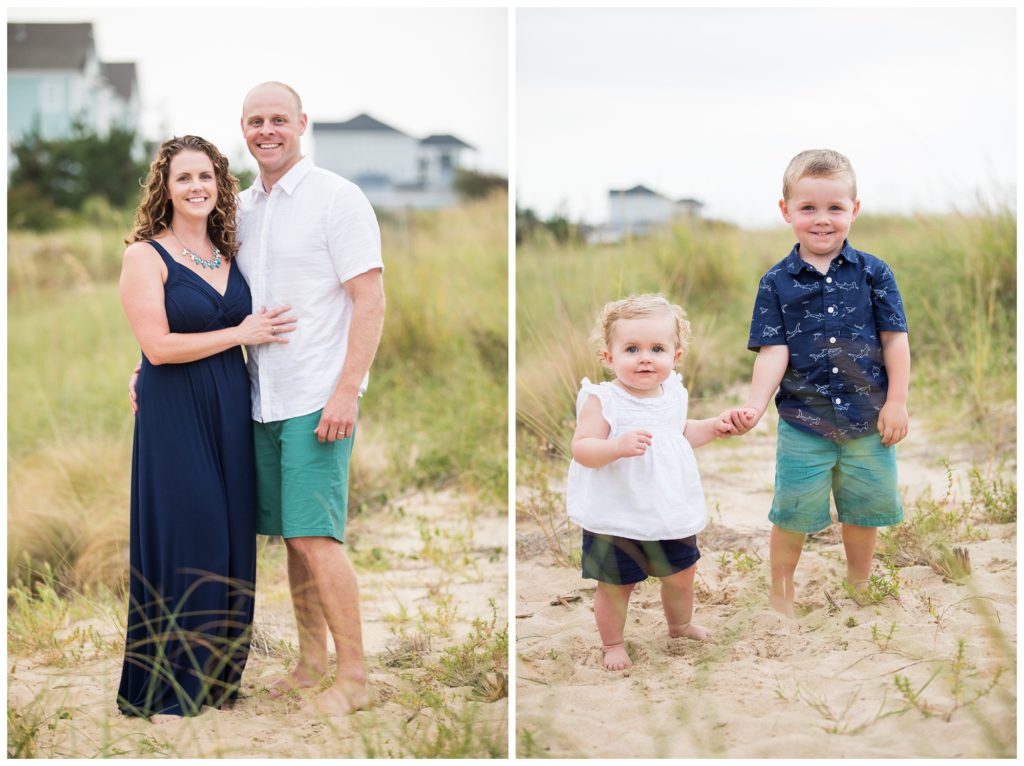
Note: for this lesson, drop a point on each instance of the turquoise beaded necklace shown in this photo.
(212, 263)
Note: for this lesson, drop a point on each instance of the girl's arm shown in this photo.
(142, 295)
(700, 432)
(591, 446)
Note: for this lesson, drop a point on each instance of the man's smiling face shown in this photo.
(272, 124)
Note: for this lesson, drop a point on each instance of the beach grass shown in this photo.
(956, 272)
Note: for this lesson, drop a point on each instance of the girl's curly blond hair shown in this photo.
(637, 307)
(155, 211)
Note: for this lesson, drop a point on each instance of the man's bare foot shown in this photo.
(342, 698)
(783, 606)
(616, 658)
(294, 681)
(689, 630)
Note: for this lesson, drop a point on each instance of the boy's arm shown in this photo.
(893, 420)
(591, 446)
(769, 368)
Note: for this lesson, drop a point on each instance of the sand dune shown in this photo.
(928, 673)
(429, 566)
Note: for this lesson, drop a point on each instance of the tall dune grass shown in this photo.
(435, 412)
(957, 275)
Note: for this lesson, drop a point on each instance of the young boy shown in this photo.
(829, 326)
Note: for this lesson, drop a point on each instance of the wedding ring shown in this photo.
(273, 330)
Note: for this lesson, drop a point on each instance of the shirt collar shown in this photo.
(794, 264)
(289, 180)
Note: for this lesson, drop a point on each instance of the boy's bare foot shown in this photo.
(342, 698)
(297, 679)
(689, 630)
(858, 591)
(616, 658)
(782, 605)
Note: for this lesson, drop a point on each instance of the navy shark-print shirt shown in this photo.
(835, 384)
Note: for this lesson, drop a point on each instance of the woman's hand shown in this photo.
(265, 327)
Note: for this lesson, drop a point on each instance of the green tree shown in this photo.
(67, 171)
(469, 184)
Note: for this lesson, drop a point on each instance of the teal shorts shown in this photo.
(301, 483)
(860, 474)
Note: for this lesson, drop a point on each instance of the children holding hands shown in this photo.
(830, 334)
(633, 484)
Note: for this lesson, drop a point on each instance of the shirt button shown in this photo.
(835, 369)
(840, 260)
(828, 279)
(831, 310)
(831, 340)
(838, 400)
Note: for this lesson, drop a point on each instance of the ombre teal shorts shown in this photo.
(301, 483)
(859, 473)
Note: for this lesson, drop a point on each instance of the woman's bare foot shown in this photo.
(616, 658)
(342, 698)
(689, 630)
(782, 605)
(298, 679)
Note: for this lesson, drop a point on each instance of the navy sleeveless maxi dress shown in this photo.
(193, 514)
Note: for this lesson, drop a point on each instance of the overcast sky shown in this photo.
(422, 71)
(712, 104)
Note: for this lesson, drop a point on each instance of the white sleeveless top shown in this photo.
(655, 496)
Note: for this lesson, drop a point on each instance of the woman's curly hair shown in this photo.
(155, 211)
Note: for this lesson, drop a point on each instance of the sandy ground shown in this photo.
(826, 685)
(428, 567)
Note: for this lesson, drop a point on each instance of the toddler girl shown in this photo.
(633, 483)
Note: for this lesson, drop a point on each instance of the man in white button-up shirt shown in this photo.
(310, 240)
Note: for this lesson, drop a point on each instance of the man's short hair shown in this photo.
(818, 163)
(286, 86)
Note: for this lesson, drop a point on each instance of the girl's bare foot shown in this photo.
(616, 658)
(689, 630)
(297, 679)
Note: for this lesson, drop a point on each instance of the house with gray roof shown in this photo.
(55, 76)
(393, 168)
(639, 210)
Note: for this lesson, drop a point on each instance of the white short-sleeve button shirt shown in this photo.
(298, 244)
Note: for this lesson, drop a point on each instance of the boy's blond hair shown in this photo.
(818, 163)
(638, 307)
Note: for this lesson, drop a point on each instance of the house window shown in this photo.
(51, 95)
(446, 161)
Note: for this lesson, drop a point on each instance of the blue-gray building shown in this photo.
(54, 76)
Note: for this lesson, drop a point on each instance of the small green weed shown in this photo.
(878, 588)
(995, 499)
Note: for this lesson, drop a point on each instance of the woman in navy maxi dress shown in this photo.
(193, 493)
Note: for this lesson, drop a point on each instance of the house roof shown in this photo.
(444, 139)
(688, 201)
(359, 122)
(638, 190)
(48, 46)
(121, 74)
